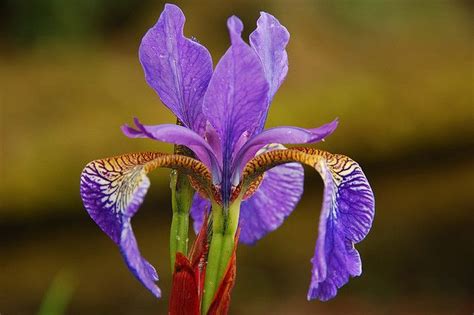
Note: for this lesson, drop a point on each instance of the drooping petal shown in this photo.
(236, 97)
(274, 200)
(141, 268)
(113, 189)
(177, 135)
(269, 41)
(284, 135)
(177, 68)
(346, 216)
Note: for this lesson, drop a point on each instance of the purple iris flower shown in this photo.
(223, 112)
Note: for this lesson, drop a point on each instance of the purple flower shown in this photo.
(223, 112)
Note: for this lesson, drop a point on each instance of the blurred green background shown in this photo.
(398, 74)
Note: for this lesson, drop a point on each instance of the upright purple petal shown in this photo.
(236, 98)
(237, 94)
(177, 135)
(345, 219)
(112, 190)
(274, 200)
(284, 135)
(177, 68)
(269, 41)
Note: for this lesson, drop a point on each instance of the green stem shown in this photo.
(213, 259)
(181, 199)
(224, 227)
(229, 238)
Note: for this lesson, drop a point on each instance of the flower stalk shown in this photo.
(224, 227)
(181, 199)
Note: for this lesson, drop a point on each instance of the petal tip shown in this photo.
(140, 268)
(141, 127)
(156, 292)
(128, 131)
(172, 9)
(273, 22)
(171, 6)
(131, 132)
(235, 26)
(321, 292)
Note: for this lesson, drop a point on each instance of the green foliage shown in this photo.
(58, 295)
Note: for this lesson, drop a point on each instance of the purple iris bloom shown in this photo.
(223, 112)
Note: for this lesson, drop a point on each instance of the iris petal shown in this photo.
(177, 135)
(113, 189)
(177, 68)
(236, 97)
(284, 135)
(346, 216)
(269, 41)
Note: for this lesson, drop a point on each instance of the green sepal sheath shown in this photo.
(181, 199)
(224, 228)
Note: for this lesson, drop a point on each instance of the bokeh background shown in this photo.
(398, 74)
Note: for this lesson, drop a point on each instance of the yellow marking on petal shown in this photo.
(263, 162)
(339, 165)
(252, 188)
(133, 164)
